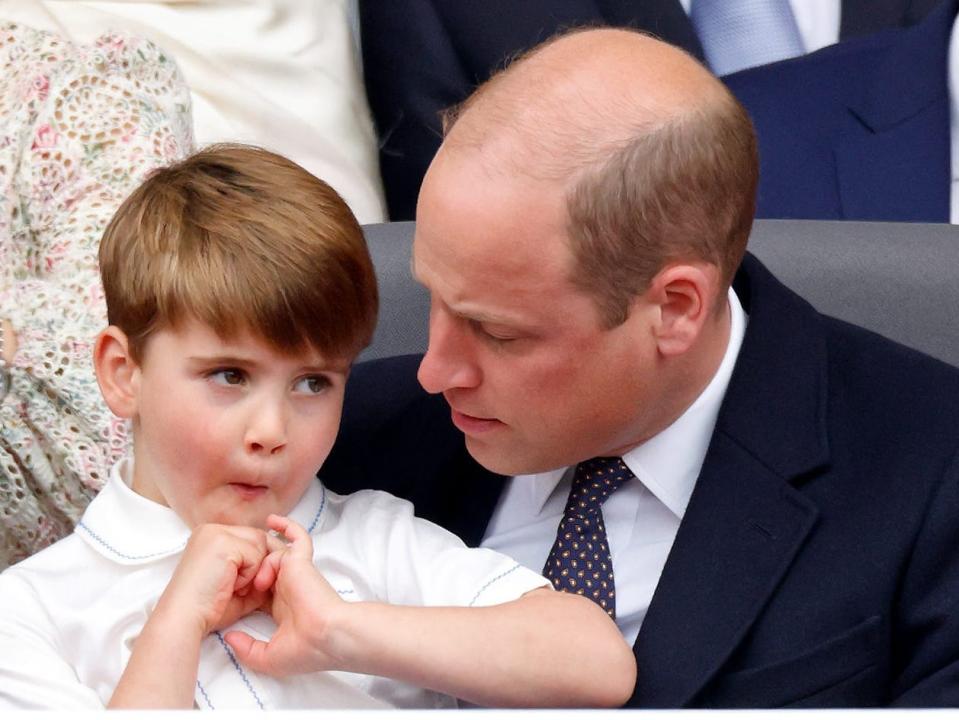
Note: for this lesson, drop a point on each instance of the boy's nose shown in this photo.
(266, 432)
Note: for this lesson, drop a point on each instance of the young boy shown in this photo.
(239, 290)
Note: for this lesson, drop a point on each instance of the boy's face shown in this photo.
(230, 431)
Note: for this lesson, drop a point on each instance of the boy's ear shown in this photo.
(117, 372)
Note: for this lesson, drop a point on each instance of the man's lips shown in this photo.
(471, 424)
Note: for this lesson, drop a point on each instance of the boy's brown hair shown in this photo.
(240, 239)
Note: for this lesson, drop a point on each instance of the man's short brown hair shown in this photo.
(685, 191)
(240, 238)
(645, 186)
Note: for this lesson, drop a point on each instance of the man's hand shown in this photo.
(304, 606)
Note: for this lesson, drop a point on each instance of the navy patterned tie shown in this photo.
(580, 561)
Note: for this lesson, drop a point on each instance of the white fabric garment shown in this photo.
(643, 516)
(818, 21)
(70, 614)
(953, 71)
(278, 73)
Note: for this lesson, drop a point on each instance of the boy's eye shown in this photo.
(313, 384)
(227, 376)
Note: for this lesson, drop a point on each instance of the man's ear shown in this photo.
(117, 372)
(686, 297)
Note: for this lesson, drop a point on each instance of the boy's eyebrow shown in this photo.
(328, 366)
(222, 359)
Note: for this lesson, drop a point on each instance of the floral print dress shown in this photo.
(80, 127)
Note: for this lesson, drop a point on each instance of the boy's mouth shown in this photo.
(248, 491)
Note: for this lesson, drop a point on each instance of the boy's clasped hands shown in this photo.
(230, 571)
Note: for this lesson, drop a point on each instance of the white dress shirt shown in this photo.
(69, 615)
(818, 21)
(643, 516)
(283, 74)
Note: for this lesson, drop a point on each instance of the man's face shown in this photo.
(231, 431)
(533, 379)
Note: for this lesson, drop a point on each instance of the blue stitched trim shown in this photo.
(112, 549)
(316, 518)
(205, 696)
(246, 680)
(495, 579)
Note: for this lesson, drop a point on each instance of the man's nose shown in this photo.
(267, 429)
(450, 360)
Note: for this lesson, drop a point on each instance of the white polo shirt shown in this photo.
(70, 614)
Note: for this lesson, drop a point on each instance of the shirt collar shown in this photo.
(668, 464)
(130, 529)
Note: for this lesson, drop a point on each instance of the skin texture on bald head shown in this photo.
(578, 97)
(656, 160)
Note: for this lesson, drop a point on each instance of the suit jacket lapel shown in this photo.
(894, 163)
(471, 507)
(745, 521)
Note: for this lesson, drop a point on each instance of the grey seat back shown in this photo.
(898, 279)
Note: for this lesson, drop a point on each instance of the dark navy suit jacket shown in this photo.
(421, 56)
(818, 560)
(857, 131)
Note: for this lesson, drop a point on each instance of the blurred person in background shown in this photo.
(861, 131)
(81, 125)
(280, 74)
(422, 56)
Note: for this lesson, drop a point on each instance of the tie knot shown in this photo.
(594, 481)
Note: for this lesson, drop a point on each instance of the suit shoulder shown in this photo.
(820, 69)
(895, 387)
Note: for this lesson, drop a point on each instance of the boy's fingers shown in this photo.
(275, 543)
(249, 559)
(249, 652)
(301, 544)
(269, 569)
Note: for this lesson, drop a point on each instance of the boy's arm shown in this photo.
(543, 649)
(34, 673)
(211, 588)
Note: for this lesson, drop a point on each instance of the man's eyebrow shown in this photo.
(484, 317)
(479, 316)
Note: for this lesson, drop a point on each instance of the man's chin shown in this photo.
(502, 459)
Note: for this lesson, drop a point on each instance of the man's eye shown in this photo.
(313, 384)
(493, 335)
(227, 376)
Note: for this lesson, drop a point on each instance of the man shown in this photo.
(420, 56)
(776, 491)
(863, 130)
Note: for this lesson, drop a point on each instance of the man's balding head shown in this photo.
(657, 160)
